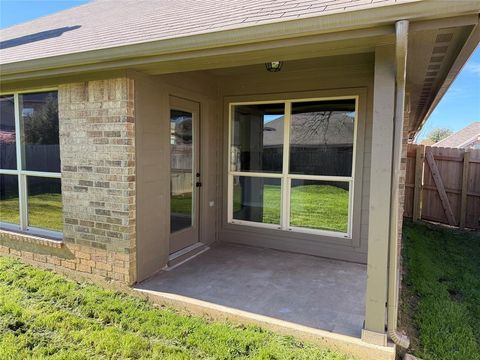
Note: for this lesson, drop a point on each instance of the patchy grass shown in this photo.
(44, 315)
(312, 206)
(441, 296)
(44, 211)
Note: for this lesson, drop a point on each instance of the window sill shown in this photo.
(30, 238)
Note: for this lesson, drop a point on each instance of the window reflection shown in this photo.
(9, 205)
(39, 113)
(321, 137)
(8, 155)
(256, 199)
(319, 204)
(257, 139)
(181, 174)
(45, 203)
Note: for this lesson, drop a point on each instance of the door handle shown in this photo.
(198, 184)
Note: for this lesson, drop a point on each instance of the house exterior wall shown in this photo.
(152, 116)
(96, 124)
(115, 164)
(324, 77)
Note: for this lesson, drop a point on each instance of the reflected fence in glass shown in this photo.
(321, 137)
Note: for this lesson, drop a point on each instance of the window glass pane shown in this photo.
(8, 155)
(321, 137)
(256, 199)
(9, 206)
(257, 138)
(181, 174)
(319, 205)
(45, 203)
(40, 131)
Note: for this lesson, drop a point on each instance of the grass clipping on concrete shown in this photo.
(45, 315)
(441, 295)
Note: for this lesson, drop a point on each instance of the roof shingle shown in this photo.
(105, 24)
(462, 137)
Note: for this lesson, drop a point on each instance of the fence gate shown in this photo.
(443, 185)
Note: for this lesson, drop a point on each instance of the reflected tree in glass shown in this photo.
(41, 132)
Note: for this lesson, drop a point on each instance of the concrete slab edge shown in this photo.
(342, 343)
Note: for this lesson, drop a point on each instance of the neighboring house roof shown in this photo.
(312, 129)
(426, 142)
(462, 138)
(105, 24)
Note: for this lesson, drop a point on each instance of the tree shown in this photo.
(438, 134)
(41, 127)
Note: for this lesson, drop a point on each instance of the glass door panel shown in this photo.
(182, 177)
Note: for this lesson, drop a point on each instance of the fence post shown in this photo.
(463, 201)
(417, 191)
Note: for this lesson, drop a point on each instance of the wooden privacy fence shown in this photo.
(443, 185)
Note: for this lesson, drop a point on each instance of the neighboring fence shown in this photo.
(443, 185)
(37, 157)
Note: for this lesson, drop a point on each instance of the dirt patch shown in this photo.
(455, 295)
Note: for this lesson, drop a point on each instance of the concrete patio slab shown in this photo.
(305, 290)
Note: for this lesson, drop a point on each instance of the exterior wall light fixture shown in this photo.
(274, 66)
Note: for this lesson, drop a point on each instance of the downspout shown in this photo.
(401, 45)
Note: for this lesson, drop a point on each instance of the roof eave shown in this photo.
(365, 18)
(465, 53)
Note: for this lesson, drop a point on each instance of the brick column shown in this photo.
(97, 146)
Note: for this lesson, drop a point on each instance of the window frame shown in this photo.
(22, 174)
(285, 176)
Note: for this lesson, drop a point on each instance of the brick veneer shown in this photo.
(97, 134)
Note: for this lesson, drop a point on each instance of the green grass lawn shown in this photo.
(441, 293)
(181, 204)
(44, 315)
(44, 211)
(312, 206)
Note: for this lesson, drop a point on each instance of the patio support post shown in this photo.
(380, 189)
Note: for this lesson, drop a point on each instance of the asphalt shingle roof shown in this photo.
(462, 137)
(105, 24)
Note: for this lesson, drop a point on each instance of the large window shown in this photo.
(291, 165)
(30, 185)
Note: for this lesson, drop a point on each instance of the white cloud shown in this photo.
(473, 67)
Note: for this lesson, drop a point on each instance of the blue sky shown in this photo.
(459, 107)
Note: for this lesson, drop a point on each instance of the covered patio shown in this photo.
(306, 290)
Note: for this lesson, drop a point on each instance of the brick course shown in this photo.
(97, 147)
